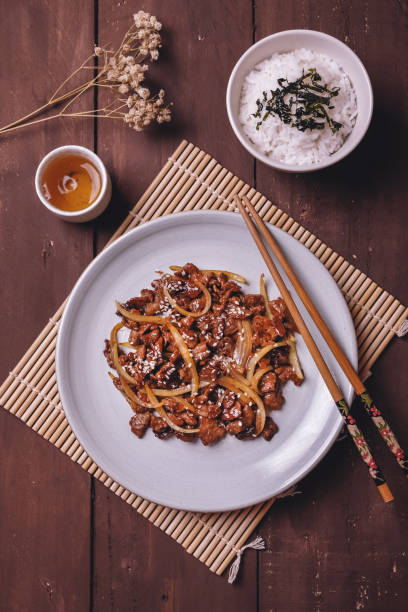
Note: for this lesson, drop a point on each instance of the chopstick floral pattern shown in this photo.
(360, 443)
(385, 430)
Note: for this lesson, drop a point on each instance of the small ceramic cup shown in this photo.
(101, 202)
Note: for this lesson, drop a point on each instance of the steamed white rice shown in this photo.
(282, 142)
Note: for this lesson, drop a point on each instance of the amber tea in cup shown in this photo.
(71, 182)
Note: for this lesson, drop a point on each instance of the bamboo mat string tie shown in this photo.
(400, 332)
(257, 544)
(136, 216)
(209, 188)
(37, 391)
(403, 329)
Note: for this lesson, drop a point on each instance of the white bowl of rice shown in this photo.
(291, 119)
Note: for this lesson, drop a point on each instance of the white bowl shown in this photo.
(101, 202)
(290, 40)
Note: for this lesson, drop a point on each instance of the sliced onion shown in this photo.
(237, 375)
(130, 396)
(127, 345)
(231, 275)
(151, 396)
(161, 411)
(138, 318)
(232, 384)
(185, 403)
(293, 357)
(178, 391)
(185, 353)
(115, 355)
(189, 313)
(181, 345)
(258, 375)
(258, 355)
(264, 293)
(244, 342)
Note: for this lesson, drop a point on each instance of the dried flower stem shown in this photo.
(122, 72)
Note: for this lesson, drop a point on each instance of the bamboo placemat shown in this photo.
(193, 180)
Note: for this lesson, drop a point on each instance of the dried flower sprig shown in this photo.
(122, 73)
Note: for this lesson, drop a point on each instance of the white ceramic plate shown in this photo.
(231, 473)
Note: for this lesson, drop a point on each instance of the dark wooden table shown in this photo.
(66, 543)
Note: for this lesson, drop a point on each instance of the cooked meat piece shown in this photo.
(247, 434)
(158, 424)
(267, 383)
(231, 326)
(151, 337)
(210, 431)
(190, 337)
(270, 428)
(140, 351)
(136, 302)
(228, 400)
(235, 309)
(139, 423)
(210, 372)
(248, 416)
(266, 331)
(183, 301)
(235, 427)
(108, 354)
(184, 375)
(203, 322)
(176, 419)
(191, 290)
(187, 322)
(253, 299)
(197, 304)
(152, 308)
(226, 346)
(175, 356)
(189, 418)
(201, 352)
(186, 437)
(171, 405)
(278, 308)
(273, 401)
(212, 411)
(189, 269)
(207, 394)
(229, 414)
(286, 373)
(148, 294)
(166, 376)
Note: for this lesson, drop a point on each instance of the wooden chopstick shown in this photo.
(335, 392)
(364, 397)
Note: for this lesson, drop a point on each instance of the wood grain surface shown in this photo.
(68, 544)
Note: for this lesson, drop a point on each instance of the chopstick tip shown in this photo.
(385, 493)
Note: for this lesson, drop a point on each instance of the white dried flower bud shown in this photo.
(98, 51)
(112, 75)
(154, 55)
(123, 89)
